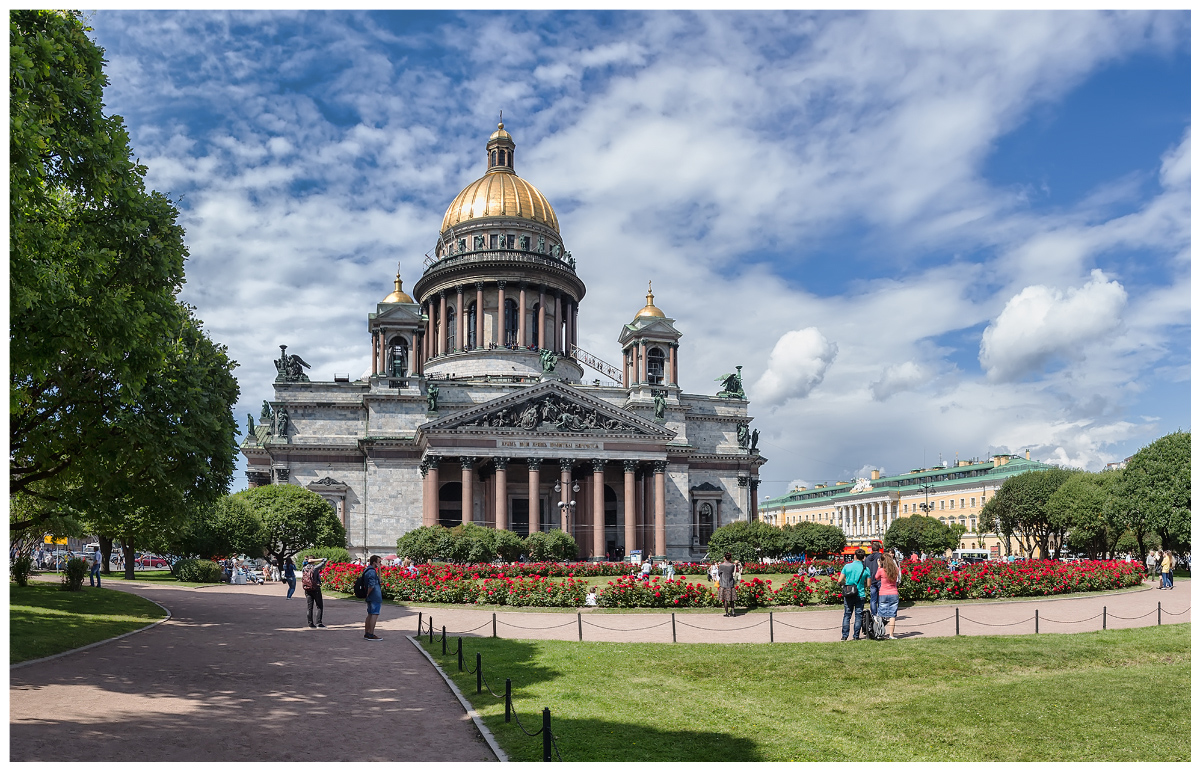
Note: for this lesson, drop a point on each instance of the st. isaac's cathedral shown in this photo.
(477, 408)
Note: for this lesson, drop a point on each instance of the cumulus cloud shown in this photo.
(899, 377)
(1041, 323)
(796, 366)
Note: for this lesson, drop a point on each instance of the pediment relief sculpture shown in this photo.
(551, 413)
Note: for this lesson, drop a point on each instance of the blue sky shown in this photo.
(919, 233)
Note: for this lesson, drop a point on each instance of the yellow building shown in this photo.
(865, 508)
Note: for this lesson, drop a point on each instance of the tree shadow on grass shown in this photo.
(584, 740)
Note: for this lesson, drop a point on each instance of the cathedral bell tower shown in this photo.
(397, 329)
(650, 345)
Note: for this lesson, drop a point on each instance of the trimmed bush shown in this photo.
(73, 574)
(331, 553)
(22, 568)
(198, 571)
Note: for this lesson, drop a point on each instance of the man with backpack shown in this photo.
(369, 587)
(310, 580)
(853, 580)
(872, 563)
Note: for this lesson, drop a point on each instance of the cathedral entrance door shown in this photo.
(520, 516)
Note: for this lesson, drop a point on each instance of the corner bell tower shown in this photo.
(650, 346)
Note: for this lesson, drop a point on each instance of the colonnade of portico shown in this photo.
(868, 518)
(640, 492)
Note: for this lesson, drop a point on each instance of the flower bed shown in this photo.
(525, 586)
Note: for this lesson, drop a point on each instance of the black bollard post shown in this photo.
(460, 661)
(545, 734)
(1160, 614)
(493, 626)
(431, 631)
(420, 615)
(673, 628)
(1035, 621)
(771, 624)
(507, 700)
(1104, 618)
(579, 620)
(478, 673)
(956, 622)
(443, 640)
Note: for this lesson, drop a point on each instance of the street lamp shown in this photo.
(926, 506)
(565, 508)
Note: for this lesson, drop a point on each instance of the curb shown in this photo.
(487, 735)
(166, 610)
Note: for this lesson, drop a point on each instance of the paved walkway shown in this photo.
(1055, 615)
(237, 675)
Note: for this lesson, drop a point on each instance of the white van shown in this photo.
(972, 555)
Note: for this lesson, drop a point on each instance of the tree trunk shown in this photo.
(127, 550)
(106, 545)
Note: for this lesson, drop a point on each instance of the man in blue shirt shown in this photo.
(374, 596)
(853, 575)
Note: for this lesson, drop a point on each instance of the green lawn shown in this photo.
(1120, 695)
(45, 620)
(152, 577)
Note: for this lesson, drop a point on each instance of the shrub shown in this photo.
(74, 572)
(198, 571)
(552, 545)
(631, 592)
(509, 545)
(22, 568)
(331, 553)
(423, 544)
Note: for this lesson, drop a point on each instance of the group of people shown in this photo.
(311, 584)
(876, 576)
(1162, 563)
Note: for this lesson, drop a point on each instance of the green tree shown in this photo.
(422, 545)
(229, 526)
(469, 543)
(1019, 507)
(812, 539)
(551, 546)
(1080, 504)
(919, 534)
(509, 545)
(293, 518)
(954, 535)
(1153, 493)
(747, 541)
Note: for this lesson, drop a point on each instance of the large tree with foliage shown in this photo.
(919, 534)
(293, 518)
(1080, 503)
(1154, 494)
(1020, 510)
(746, 541)
(812, 539)
(119, 404)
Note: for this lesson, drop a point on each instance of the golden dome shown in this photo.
(398, 295)
(500, 192)
(650, 310)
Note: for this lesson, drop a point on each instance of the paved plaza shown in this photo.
(237, 675)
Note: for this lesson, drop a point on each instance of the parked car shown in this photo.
(151, 562)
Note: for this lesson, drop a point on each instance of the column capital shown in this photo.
(479, 286)
(501, 284)
(565, 464)
(743, 481)
(534, 464)
(660, 467)
(467, 461)
(597, 465)
(442, 293)
(630, 466)
(754, 483)
(432, 461)
(501, 464)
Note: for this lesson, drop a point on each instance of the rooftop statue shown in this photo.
(660, 404)
(249, 425)
(731, 385)
(549, 360)
(432, 397)
(743, 435)
(754, 441)
(290, 367)
(281, 422)
(265, 416)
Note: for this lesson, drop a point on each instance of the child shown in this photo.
(590, 600)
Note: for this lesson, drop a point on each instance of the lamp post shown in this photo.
(926, 506)
(566, 508)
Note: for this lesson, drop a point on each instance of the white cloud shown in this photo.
(797, 365)
(1042, 323)
(899, 377)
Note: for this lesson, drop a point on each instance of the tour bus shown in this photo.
(972, 555)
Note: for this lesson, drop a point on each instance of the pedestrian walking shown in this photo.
(727, 588)
(888, 596)
(853, 580)
(737, 573)
(712, 572)
(872, 564)
(374, 596)
(289, 575)
(668, 569)
(647, 566)
(94, 575)
(1168, 570)
(310, 581)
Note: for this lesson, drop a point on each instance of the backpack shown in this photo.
(308, 579)
(360, 585)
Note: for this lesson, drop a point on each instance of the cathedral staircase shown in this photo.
(598, 364)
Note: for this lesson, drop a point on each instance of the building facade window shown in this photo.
(537, 328)
(451, 329)
(471, 317)
(511, 314)
(654, 366)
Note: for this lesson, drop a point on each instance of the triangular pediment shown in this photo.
(398, 313)
(651, 327)
(548, 408)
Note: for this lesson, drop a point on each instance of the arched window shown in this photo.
(537, 328)
(493, 163)
(512, 314)
(451, 329)
(398, 362)
(654, 366)
(471, 316)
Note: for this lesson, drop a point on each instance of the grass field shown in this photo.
(152, 577)
(44, 620)
(1120, 695)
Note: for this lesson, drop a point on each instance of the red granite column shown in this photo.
(542, 318)
(598, 508)
(564, 481)
(500, 320)
(522, 339)
(479, 314)
(441, 341)
(535, 494)
(660, 508)
(671, 373)
(557, 348)
(468, 489)
(374, 352)
(630, 508)
(501, 493)
(461, 333)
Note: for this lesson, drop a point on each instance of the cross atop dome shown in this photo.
(500, 149)
(650, 309)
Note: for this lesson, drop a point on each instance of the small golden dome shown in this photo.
(500, 192)
(650, 310)
(398, 295)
